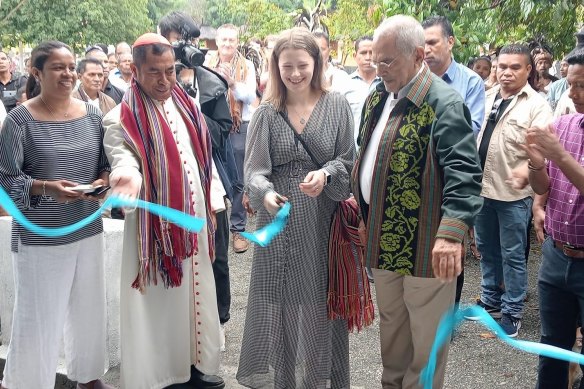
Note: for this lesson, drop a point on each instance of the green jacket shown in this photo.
(426, 179)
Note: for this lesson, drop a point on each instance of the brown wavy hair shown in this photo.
(297, 38)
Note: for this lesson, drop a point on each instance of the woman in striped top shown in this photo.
(48, 145)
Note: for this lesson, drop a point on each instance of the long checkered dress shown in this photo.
(288, 342)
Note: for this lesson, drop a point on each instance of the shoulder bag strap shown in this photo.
(298, 138)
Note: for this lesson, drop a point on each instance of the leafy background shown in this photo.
(485, 24)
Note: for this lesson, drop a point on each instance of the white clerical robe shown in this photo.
(164, 331)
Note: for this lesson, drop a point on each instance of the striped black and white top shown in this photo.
(48, 150)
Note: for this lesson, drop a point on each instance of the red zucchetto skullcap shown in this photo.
(151, 38)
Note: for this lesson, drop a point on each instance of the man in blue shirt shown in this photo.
(439, 39)
(439, 42)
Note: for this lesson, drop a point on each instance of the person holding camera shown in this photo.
(209, 90)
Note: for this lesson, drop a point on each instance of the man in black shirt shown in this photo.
(9, 82)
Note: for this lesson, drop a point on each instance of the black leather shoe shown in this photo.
(205, 381)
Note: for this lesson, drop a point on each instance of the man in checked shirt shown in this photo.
(560, 202)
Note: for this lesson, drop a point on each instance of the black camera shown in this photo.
(185, 52)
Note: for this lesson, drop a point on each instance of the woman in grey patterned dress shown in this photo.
(288, 342)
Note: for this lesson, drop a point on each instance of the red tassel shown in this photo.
(349, 295)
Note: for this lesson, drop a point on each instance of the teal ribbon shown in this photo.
(451, 320)
(188, 222)
(264, 235)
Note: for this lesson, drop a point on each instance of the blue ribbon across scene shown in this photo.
(181, 219)
(452, 320)
(264, 235)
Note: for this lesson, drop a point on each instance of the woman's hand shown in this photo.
(273, 202)
(97, 183)
(247, 205)
(59, 191)
(313, 184)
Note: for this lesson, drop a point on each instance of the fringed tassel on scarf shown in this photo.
(162, 246)
(349, 295)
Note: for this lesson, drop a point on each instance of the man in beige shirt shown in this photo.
(512, 108)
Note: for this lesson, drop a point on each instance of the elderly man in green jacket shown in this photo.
(417, 180)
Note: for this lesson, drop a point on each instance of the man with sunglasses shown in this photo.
(512, 108)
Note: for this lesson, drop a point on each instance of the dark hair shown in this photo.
(20, 92)
(520, 49)
(83, 64)
(484, 58)
(139, 53)
(362, 39)
(38, 58)
(471, 62)
(441, 21)
(171, 22)
(322, 34)
(576, 57)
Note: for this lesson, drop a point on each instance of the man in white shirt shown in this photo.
(339, 81)
(365, 75)
(241, 79)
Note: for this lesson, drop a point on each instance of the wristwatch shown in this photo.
(327, 177)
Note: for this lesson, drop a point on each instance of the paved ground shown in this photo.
(474, 361)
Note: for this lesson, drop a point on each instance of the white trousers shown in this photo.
(60, 291)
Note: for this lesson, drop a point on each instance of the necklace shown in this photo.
(302, 119)
(66, 114)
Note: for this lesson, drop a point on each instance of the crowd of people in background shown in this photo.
(435, 157)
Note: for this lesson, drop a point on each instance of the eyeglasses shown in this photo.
(382, 66)
(495, 110)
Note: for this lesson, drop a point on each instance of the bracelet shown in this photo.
(533, 168)
(44, 187)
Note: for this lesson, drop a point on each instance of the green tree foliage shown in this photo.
(287, 5)
(493, 23)
(352, 20)
(76, 23)
(158, 8)
(259, 17)
(265, 18)
(218, 12)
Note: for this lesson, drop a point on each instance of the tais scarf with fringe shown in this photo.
(349, 296)
(162, 246)
(239, 74)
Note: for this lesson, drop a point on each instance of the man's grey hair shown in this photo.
(408, 32)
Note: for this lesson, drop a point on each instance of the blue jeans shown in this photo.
(501, 238)
(561, 300)
(238, 212)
